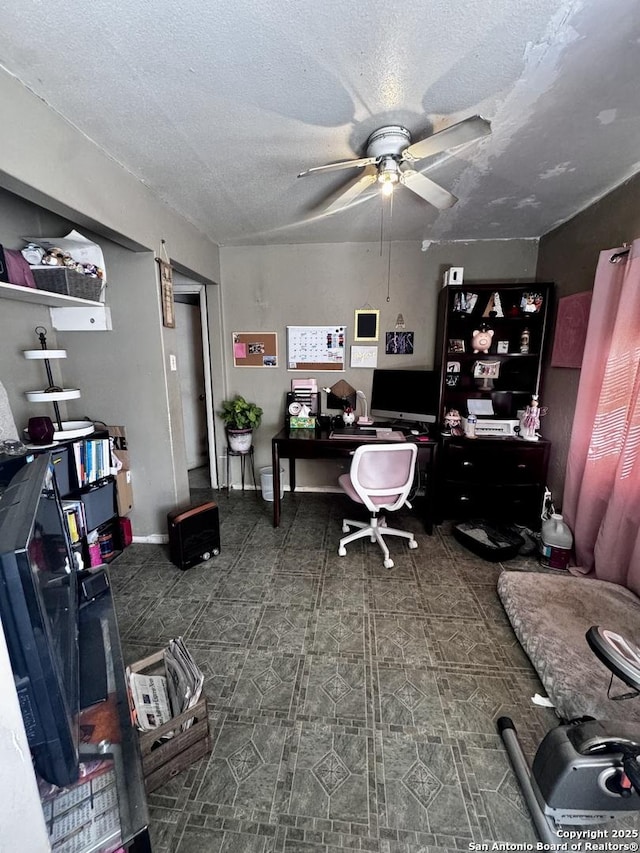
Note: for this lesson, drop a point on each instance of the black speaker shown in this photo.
(194, 534)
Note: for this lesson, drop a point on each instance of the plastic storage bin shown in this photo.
(266, 483)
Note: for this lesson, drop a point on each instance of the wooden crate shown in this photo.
(162, 760)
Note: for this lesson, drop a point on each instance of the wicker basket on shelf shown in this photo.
(69, 282)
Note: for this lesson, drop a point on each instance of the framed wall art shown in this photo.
(571, 330)
(367, 322)
(166, 293)
(399, 343)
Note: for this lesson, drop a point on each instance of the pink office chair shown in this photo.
(381, 477)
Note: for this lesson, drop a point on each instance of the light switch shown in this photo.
(173, 364)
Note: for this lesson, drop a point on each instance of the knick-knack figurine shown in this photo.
(530, 420)
(348, 416)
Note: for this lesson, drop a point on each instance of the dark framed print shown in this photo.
(166, 294)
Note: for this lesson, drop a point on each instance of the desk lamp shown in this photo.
(363, 420)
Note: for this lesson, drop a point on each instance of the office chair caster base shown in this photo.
(342, 552)
(388, 564)
(413, 544)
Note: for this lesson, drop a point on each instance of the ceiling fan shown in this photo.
(391, 159)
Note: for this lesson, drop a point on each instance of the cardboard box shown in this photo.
(124, 492)
(120, 448)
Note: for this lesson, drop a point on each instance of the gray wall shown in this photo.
(46, 161)
(269, 288)
(568, 256)
(123, 375)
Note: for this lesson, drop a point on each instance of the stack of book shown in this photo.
(92, 458)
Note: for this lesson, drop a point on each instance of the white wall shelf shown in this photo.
(44, 297)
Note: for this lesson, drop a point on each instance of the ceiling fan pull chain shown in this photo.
(389, 275)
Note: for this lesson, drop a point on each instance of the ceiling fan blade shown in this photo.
(346, 195)
(467, 130)
(428, 190)
(342, 164)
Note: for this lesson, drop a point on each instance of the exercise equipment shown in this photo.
(585, 771)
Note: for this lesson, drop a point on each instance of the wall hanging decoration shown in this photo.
(316, 347)
(367, 321)
(255, 349)
(399, 343)
(571, 330)
(364, 356)
(166, 288)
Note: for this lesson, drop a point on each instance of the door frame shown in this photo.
(201, 291)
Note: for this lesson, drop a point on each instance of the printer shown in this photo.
(493, 427)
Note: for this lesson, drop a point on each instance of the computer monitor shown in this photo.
(410, 394)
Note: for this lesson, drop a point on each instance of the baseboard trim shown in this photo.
(152, 539)
(163, 538)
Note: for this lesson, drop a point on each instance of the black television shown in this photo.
(39, 615)
(409, 394)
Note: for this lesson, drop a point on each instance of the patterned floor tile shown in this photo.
(400, 638)
(337, 633)
(421, 788)
(392, 595)
(343, 593)
(242, 772)
(329, 777)
(282, 629)
(267, 682)
(292, 591)
(224, 623)
(407, 696)
(243, 585)
(350, 706)
(335, 688)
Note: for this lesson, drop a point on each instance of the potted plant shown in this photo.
(240, 419)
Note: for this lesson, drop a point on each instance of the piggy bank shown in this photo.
(481, 340)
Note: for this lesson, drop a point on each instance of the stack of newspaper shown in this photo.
(159, 698)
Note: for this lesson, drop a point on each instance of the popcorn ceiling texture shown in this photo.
(218, 107)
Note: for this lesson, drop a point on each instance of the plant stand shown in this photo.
(244, 455)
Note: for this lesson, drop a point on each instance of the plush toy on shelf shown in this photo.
(452, 423)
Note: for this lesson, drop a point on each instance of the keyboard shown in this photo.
(367, 435)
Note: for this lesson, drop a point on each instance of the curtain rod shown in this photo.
(617, 257)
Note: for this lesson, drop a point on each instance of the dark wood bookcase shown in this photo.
(509, 373)
(501, 478)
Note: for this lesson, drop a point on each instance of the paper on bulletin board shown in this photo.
(316, 347)
(364, 356)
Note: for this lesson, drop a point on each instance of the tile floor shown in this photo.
(351, 707)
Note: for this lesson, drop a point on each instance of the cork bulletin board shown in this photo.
(316, 347)
(255, 349)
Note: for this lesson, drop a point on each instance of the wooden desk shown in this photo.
(316, 444)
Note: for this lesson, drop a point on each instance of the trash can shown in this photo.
(266, 483)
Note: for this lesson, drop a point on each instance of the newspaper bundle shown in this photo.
(159, 698)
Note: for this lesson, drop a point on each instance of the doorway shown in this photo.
(194, 370)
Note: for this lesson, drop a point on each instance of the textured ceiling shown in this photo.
(218, 106)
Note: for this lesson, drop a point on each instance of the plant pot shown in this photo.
(239, 439)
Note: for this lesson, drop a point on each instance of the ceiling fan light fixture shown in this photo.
(388, 174)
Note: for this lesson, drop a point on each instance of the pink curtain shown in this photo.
(601, 500)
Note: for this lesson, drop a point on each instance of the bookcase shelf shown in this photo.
(44, 297)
